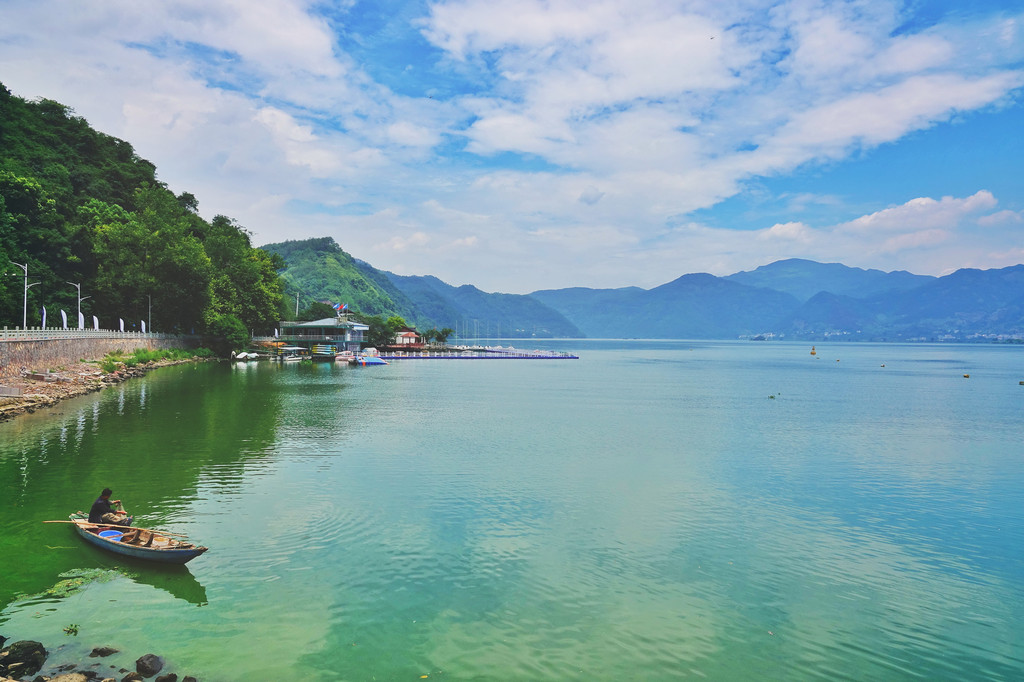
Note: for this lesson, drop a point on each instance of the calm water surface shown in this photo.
(658, 510)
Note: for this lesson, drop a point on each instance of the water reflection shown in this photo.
(177, 581)
(156, 441)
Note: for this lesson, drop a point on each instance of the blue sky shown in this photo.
(526, 144)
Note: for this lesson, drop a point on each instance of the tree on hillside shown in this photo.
(122, 279)
(439, 335)
(245, 284)
(31, 233)
(317, 311)
(382, 332)
(80, 206)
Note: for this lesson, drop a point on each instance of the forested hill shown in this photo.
(319, 270)
(77, 205)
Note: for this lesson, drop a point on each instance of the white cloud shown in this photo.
(564, 140)
(1002, 218)
(787, 232)
(872, 118)
(922, 213)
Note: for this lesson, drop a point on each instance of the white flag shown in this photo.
(44, 317)
(64, 319)
(95, 323)
(121, 320)
(275, 334)
(81, 321)
(143, 326)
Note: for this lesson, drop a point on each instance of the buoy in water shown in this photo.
(813, 352)
(967, 376)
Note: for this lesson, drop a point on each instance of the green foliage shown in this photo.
(382, 332)
(317, 311)
(140, 356)
(77, 205)
(439, 335)
(226, 333)
(318, 269)
(31, 232)
(145, 356)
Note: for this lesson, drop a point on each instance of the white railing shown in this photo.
(51, 334)
(480, 353)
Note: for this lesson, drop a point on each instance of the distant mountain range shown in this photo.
(791, 299)
(319, 270)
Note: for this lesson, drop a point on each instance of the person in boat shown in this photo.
(103, 511)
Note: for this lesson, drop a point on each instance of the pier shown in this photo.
(478, 353)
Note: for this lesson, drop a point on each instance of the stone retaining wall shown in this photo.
(44, 354)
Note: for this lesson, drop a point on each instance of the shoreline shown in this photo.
(45, 388)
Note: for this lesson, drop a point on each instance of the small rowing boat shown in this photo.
(140, 543)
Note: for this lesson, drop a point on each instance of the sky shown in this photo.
(518, 145)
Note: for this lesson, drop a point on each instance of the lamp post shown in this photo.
(80, 297)
(24, 303)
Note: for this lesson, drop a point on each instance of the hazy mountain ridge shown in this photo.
(890, 306)
(320, 270)
(795, 299)
(497, 315)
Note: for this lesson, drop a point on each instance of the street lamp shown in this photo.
(24, 308)
(80, 298)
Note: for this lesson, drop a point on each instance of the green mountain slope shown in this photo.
(94, 228)
(319, 270)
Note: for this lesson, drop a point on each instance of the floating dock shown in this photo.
(482, 353)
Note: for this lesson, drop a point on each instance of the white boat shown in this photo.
(292, 353)
(366, 360)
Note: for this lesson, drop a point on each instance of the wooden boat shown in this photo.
(140, 543)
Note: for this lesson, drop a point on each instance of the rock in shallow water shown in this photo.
(22, 658)
(149, 665)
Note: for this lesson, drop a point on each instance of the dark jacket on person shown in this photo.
(99, 508)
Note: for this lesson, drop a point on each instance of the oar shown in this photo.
(115, 526)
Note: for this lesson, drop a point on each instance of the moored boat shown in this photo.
(365, 360)
(139, 543)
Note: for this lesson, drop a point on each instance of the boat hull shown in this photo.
(164, 555)
(366, 360)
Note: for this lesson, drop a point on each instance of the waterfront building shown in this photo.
(324, 337)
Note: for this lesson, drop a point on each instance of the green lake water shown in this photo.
(651, 511)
